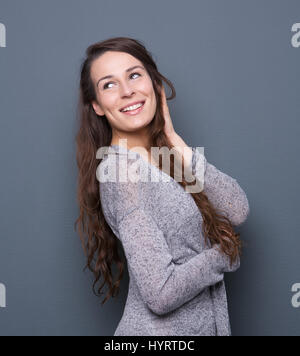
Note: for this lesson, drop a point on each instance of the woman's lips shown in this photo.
(134, 112)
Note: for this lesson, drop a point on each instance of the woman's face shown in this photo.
(124, 87)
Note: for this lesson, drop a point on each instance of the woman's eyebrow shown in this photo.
(127, 70)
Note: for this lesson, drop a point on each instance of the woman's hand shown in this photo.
(174, 138)
(169, 129)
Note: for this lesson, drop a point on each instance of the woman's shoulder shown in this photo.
(119, 191)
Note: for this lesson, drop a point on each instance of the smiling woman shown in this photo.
(121, 82)
(178, 245)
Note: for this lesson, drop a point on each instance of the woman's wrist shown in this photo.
(224, 260)
(181, 147)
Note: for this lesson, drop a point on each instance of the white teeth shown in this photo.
(133, 107)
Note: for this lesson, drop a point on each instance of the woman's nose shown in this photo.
(126, 89)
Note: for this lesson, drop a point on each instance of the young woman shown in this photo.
(178, 245)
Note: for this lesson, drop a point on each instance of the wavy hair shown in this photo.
(98, 240)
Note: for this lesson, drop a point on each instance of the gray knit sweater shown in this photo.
(176, 282)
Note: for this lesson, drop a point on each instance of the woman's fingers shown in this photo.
(169, 129)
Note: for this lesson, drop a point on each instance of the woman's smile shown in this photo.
(135, 111)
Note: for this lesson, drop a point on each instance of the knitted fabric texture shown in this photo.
(176, 282)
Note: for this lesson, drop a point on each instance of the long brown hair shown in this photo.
(98, 240)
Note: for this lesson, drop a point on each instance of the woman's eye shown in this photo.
(105, 85)
(135, 73)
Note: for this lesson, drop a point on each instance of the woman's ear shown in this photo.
(97, 108)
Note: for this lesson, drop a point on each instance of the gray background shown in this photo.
(237, 80)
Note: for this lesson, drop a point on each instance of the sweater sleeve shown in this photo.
(223, 191)
(163, 284)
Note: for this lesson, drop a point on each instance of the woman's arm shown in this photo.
(163, 284)
(223, 191)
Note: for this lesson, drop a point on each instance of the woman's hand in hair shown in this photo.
(174, 138)
(169, 129)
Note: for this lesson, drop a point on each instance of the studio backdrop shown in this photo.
(235, 66)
